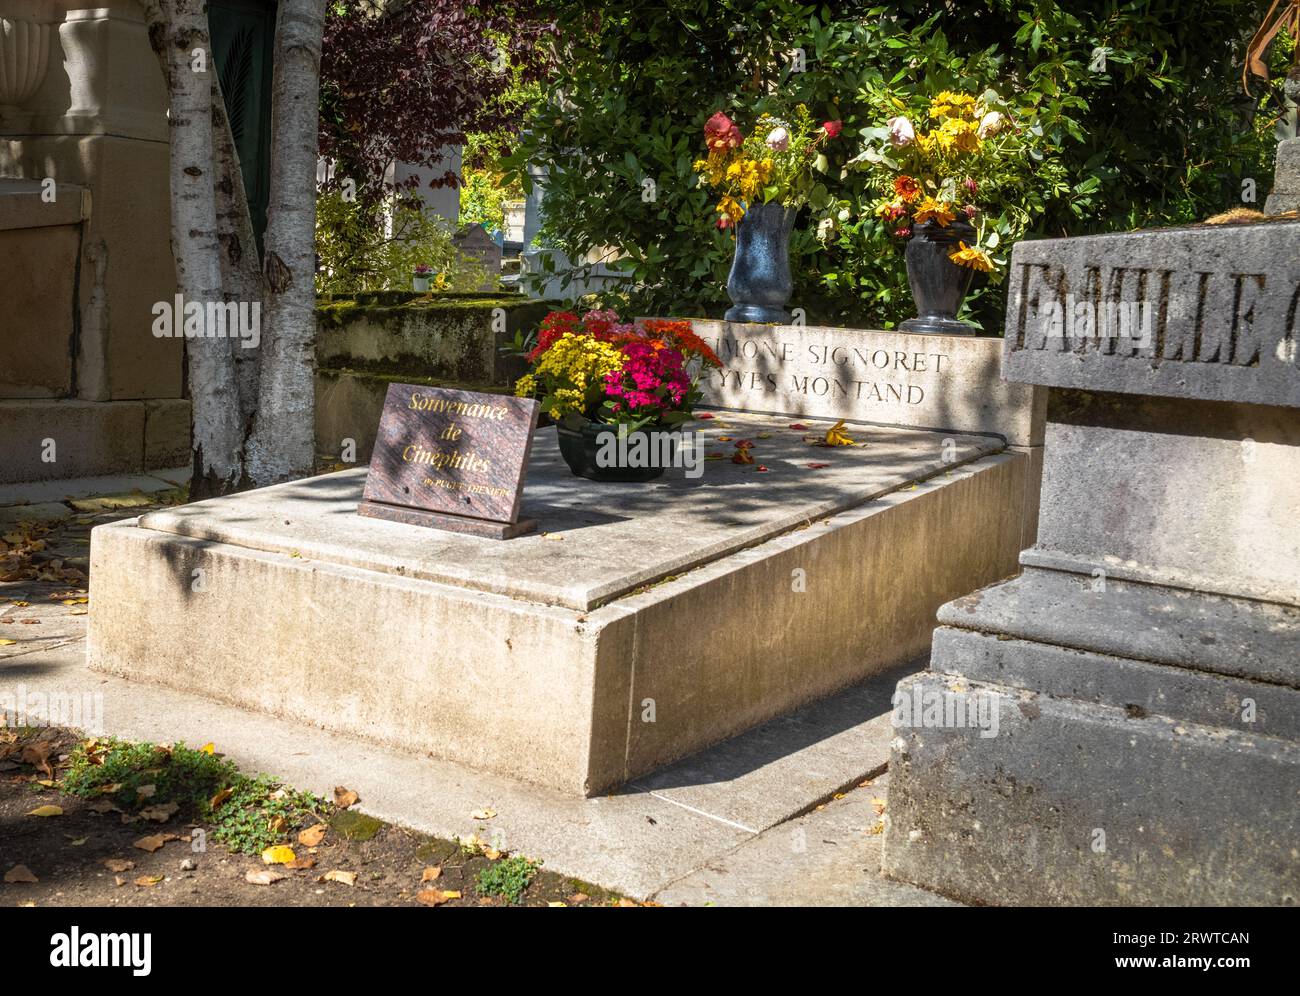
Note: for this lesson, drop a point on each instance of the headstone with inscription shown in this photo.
(475, 242)
(452, 460)
(1146, 664)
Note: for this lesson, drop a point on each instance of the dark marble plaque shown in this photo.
(451, 459)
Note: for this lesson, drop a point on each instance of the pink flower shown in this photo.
(903, 232)
(833, 128)
(651, 379)
(901, 132)
(778, 139)
(970, 184)
(971, 210)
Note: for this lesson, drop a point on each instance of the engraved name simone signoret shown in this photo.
(861, 373)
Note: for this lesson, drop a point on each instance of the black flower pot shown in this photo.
(581, 446)
(938, 284)
(760, 284)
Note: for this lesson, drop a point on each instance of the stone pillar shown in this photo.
(1120, 724)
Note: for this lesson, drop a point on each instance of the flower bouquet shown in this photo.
(762, 181)
(420, 278)
(615, 386)
(933, 169)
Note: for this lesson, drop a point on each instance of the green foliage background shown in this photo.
(1162, 135)
(373, 246)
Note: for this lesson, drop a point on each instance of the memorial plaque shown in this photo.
(451, 460)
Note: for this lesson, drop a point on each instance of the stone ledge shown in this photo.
(597, 541)
(1147, 622)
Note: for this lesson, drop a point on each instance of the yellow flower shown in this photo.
(960, 134)
(976, 259)
(568, 368)
(953, 105)
(526, 386)
(731, 207)
(929, 209)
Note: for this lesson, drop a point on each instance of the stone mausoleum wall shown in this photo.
(82, 268)
(364, 342)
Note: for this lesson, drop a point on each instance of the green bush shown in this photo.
(360, 249)
(1144, 123)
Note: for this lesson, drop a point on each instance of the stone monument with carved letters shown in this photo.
(1146, 663)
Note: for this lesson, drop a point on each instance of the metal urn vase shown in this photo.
(938, 284)
(760, 284)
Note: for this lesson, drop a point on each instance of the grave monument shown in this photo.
(1145, 666)
(640, 623)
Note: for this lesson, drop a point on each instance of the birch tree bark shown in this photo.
(241, 267)
(282, 445)
(178, 32)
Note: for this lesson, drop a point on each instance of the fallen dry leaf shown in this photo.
(281, 854)
(145, 791)
(151, 843)
(435, 897)
(262, 876)
(220, 797)
(430, 873)
(119, 881)
(344, 797)
(160, 813)
(563, 905)
(20, 873)
(483, 814)
(312, 836)
(103, 806)
(148, 880)
(304, 862)
(345, 877)
(46, 811)
(7, 643)
(118, 864)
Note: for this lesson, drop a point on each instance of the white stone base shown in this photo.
(641, 624)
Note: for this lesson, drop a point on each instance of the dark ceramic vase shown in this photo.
(938, 284)
(760, 284)
(581, 445)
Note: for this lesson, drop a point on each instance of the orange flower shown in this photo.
(940, 212)
(907, 188)
(976, 259)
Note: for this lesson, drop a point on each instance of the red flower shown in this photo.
(903, 232)
(721, 133)
(833, 128)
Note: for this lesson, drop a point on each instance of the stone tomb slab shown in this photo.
(642, 623)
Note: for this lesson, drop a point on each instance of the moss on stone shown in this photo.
(355, 826)
(388, 376)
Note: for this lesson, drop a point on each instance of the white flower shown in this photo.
(991, 124)
(901, 132)
(778, 140)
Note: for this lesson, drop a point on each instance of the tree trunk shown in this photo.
(241, 267)
(282, 445)
(178, 32)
